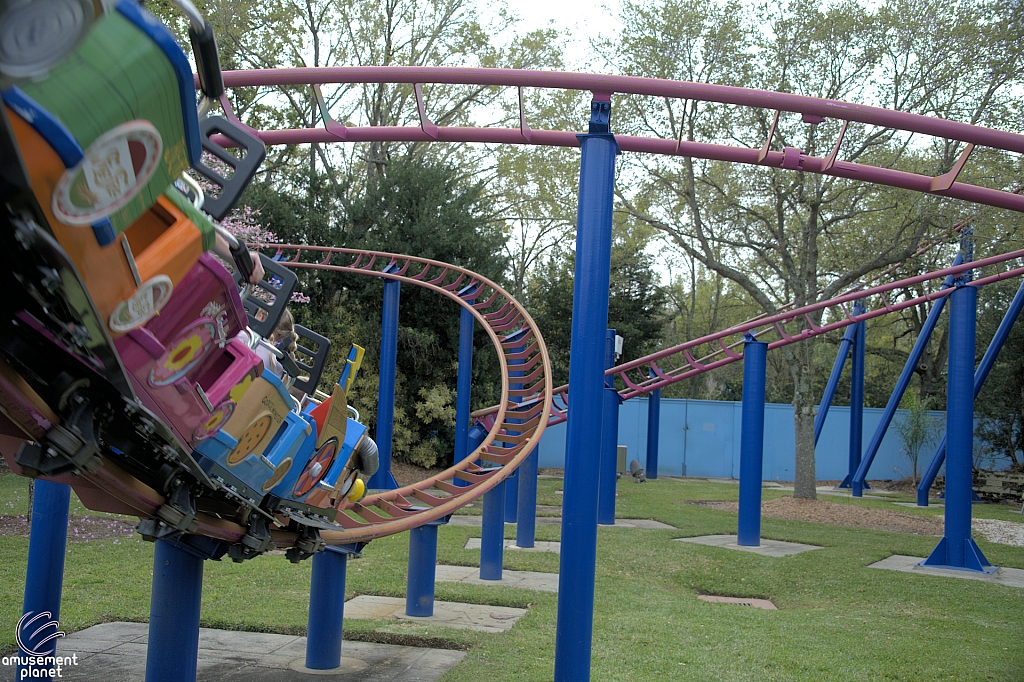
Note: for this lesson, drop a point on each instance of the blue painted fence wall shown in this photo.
(711, 445)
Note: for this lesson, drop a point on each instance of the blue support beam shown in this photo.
(755, 364)
(957, 549)
(856, 397)
(492, 535)
(526, 527)
(913, 360)
(574, 629)
(327, 606)
(984, 367)
(464, 384)
(419, 586)
(609, 439)
(44, 576)
(384, 479)
(512, 482)
(512, 497)
(173, 647)
(653, 431)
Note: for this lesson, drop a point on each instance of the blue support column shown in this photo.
(327, 607)
(173, 648)
(609, 439)
(492, 535)
(653, 432)
(984, 367)
(856, 397)
(833, 379)
(419, 586)
(512, 497)
(44, 577)
(901, 386)
(384, 479)
(957, 549)
(574, 630)
(526, 528)
(464, 385)
(512, 482)
(755, 364)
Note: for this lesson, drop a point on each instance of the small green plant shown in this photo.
(917, 428)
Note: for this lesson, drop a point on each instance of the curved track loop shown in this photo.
(670, 365)
(516, 427)
(810, 109)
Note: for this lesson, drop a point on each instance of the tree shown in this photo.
(917, 429)
(635, 303)
(798, 237)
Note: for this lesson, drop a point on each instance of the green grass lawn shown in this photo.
(837, 619)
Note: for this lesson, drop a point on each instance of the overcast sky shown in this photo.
(583, 19)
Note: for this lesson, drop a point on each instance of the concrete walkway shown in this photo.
(116, 652)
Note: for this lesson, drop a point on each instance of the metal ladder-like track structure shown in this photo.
(668, 366)
(516, 427)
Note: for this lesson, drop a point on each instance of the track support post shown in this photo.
(526, 527)
(419, 587)
(653, 431)
(574, 630)
(383, 479)
(609, 438)
(464, 385)
(755, 360)
(44, 577)
(173, 648)
(492, 535)
(327, 606)
(856, 397)
(957, 548)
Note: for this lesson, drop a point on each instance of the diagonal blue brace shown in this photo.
(833, 379)
(984, 367)
(901, 386)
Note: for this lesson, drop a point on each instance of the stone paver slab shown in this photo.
(480, 617)
(527, 580)
(1011, 577)
(538, 546)
(252, 657)
(771, 548)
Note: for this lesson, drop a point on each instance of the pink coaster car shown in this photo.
(185, 363)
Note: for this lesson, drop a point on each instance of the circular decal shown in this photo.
(218, 418)
(317, 467)
(142, 306)
(115, 168)
(278, 474)
(251, 439)
(183, 354)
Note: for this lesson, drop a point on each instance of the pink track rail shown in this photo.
(811, 110)
(678, 362)
(515, 430)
